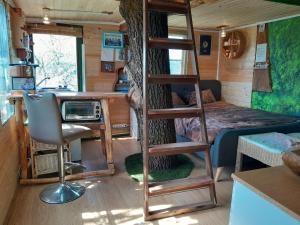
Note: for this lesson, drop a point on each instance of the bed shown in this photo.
(226, 122)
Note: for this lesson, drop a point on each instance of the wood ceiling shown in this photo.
(233, 13)
(34, 9)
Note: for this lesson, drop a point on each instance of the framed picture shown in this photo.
(23, 83)
(107, 67)
(205, 44)
(107, 54)
(112, 40)
(120, 54)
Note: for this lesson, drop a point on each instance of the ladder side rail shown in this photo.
(212, 188)
(191, 35)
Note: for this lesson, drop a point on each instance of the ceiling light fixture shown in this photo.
(223, 31)
(46, 19)
(80, 11)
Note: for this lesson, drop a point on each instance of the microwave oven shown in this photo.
(81, 110)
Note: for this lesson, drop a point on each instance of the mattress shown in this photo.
(220, 115)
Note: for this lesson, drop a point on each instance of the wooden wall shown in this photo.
(9, 166)
(207, 64)
(17, 20)
(99, 81)
(236, 74)
(9, 160)
(95, 79)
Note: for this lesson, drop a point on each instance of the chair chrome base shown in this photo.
(62, 193)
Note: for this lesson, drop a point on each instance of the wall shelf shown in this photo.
(233, 45)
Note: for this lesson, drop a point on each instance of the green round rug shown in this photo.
(134, 167)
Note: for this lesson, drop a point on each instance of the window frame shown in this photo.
(184, 54)
(79, 59)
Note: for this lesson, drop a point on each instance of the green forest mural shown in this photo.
(292, 2)
(284, 41)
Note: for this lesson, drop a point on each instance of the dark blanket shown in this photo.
(221, 115)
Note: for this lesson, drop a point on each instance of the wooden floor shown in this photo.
(114, 200)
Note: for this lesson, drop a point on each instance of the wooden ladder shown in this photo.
(160, 188)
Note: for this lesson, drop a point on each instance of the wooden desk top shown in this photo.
(76, 95)
(277, 185)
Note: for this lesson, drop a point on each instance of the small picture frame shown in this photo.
(107, 67)
(23, 83)
(112, 40)
(120, 55)
(205, 45)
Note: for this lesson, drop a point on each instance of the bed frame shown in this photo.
(223, 150)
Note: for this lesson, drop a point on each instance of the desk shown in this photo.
(265, 197)
(105, 129)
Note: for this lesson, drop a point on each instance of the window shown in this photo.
(177, 58)
(5, 107)
(56, 56)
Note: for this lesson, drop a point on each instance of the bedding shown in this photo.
(220, 115)
(176, 100)
(207, 96)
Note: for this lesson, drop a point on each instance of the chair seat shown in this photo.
(72, 132)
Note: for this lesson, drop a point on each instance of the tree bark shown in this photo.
(160, 131)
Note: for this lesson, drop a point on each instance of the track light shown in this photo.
(223, 31)
(46, 19)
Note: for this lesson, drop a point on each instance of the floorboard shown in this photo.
(116, 199)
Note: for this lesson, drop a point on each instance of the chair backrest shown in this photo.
(44, 118)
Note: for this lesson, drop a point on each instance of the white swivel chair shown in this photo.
(45, 125)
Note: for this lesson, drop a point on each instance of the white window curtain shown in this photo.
(5, 107)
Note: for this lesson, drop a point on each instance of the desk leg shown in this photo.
(21, 139)
(108, 134)
(102, 136)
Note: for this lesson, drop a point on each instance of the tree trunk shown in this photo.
(160, 131)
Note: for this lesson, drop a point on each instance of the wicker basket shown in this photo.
(46, 162)
(38, 146)
(44, 158)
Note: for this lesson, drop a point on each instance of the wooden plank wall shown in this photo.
(9, 166)
(95, 79)
(99, 81)
(9, 160)
(236, 74)
(207, 64)
(17, 20)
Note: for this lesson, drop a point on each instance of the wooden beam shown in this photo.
(107, 172)
(53, 29)
(21, 138)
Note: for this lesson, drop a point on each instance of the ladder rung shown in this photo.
(177, 210)
(177, 148)
(168, 6)
(174, 113)
(171, 43)
(179, 185)
(172, 79)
